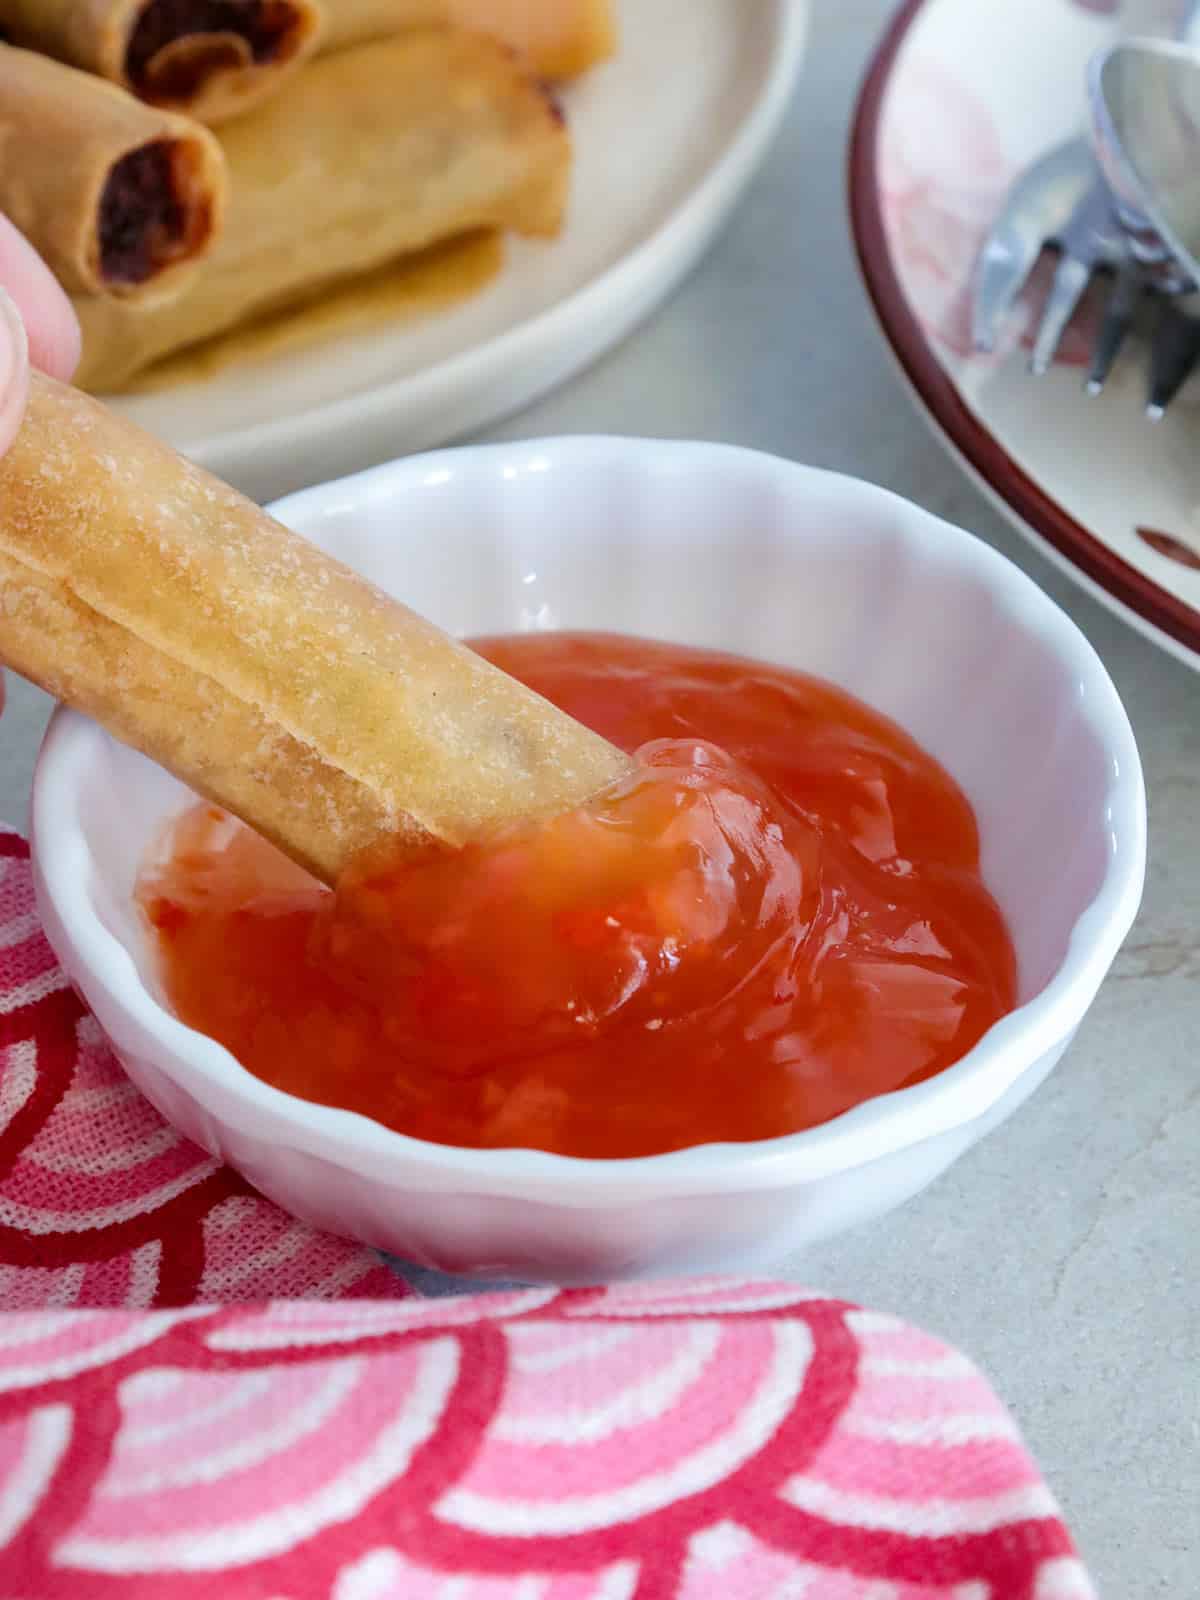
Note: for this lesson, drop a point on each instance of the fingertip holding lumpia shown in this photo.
(260, 671)
(379, 152)
(210, 58)
(119, 198)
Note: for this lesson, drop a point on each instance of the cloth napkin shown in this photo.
(200, 1396)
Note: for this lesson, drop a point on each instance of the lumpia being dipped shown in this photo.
(263, 673)
(381, 151)
(120, 198)
(210, 58)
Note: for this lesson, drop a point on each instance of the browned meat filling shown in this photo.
(266, 26)
(143, 222)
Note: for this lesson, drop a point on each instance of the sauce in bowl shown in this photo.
(778, 916)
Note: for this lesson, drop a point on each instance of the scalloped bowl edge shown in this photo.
(599, 523)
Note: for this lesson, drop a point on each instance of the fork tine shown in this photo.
(1118, 319)
(1174, 354)
(1004, 269)
(1038, 207)
(1070, 280)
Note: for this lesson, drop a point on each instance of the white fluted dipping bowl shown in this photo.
(704, 545)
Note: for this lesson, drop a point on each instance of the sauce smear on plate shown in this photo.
(779, 916)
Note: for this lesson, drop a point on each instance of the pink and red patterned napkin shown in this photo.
(200, 1396)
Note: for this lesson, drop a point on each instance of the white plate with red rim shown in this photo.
(957, 103)
(667, 136)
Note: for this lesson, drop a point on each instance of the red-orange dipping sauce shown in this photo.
(779, 916)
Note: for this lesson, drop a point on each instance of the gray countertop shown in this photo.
(1063, 1254)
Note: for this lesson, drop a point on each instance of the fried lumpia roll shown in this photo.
(263, 673)
(121, 199)
(560, 38)
(210, 58)
(376, 153)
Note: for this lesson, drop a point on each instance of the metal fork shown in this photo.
(1063, 203)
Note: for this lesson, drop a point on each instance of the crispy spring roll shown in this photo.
(264, 674)
(354, 22)
(210, 58)
(378, 152)
(121, 199)
(561, 38)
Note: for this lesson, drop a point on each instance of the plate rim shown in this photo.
(1137, 599)
(635, 277)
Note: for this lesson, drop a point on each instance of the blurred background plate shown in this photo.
(666, 138)
(956, 104)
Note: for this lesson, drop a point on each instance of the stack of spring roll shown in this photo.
(349, 133)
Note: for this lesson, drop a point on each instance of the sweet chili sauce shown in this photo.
(780, 915)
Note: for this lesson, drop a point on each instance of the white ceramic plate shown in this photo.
(963, 95)
(667, 136)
